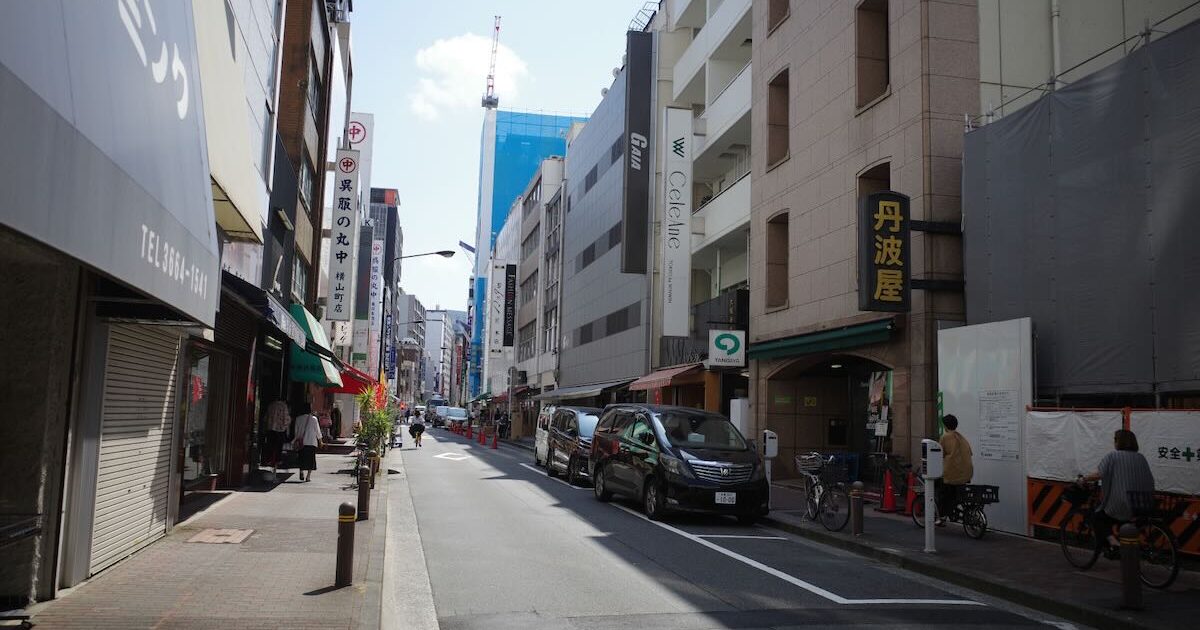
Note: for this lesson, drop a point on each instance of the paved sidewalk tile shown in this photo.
(281, 576)
(1030, 572)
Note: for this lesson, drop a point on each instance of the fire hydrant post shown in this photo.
(345, 546)
(856, 508)
(364, 492)
(373, 458)
(1131, 584)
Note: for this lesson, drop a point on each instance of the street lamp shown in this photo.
(445, 253)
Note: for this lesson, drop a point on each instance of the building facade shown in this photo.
(439, 331)
(512, 146)
(503, 298)
(537, 278)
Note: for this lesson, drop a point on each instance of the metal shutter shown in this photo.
(136, 434)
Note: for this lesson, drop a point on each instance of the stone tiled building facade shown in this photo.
(849, 99)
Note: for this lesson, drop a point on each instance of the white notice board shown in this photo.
(985, 378)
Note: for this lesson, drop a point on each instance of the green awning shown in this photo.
(825, 341)
(482, 397)
(308, 367)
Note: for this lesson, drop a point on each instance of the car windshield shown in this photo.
(456, 412)
(587, 424)
(701, 430)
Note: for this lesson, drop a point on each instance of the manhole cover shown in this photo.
(222, 536)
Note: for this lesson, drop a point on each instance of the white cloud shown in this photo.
(455, 72)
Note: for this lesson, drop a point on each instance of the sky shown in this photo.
(421, 69)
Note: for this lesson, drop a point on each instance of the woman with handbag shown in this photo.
(308, 440)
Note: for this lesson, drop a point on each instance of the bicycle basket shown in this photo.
(836, 472)
(809, 462)
(981, 495)
(1077, 494)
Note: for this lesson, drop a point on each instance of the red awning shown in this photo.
(353, 382)
(662, 378)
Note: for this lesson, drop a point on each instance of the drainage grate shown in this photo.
(222, 536)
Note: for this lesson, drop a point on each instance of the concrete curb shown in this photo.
(518, 445)
(407, 594)
(1095, 617)
(368, 618)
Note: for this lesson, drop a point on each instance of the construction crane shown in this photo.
(490, 101)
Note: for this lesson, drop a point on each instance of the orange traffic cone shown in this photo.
(482, 436)
(469, 436)
(495, 439)
(910, 497)
(887, 503)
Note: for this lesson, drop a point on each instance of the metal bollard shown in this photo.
(856, 508)
(373, 458)
(1131, 584)
(345, 546)
(364, 493)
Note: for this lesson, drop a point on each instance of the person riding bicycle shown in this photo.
(1120, 472)
(417, 428)
(957, 467)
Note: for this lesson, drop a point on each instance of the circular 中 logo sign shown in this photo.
(347, 164)
(357, 132)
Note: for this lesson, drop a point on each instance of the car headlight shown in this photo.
(676, 466)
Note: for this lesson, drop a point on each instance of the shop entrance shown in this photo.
(839, 404)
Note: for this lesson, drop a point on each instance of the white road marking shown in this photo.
(740, 536)
(812, 588)
(543, 473)
(452, 456)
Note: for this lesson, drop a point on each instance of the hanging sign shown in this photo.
(883, 253)
(677, 222)
(343, 228)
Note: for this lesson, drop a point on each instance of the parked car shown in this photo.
(438, 417)
(453, 416)
(569, 442)
(541, 435)
(677, 459)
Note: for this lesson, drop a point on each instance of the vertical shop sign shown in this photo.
(343, 228)
(883, 253)
(635, 224)
(495, 309)
(510, 305)
(376, 299)
(677, 221)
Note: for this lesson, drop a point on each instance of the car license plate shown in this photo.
(726, 498)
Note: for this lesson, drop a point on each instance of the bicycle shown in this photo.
(1083, 545)
(968, 506)
(823, 481)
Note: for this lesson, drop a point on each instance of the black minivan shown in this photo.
(569, 442)
(677, 458)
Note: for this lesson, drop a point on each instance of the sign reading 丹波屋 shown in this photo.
(677, 222)
(726, 348)
(342, 235)
(883, 253)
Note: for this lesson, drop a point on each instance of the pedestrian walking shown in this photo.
(326, 426)
(308, 439)
(336, 417)
(957, 467)
(417, 429)
(278, 423)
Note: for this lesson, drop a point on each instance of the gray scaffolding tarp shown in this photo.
(1082, 211)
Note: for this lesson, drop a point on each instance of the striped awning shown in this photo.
(662, 378)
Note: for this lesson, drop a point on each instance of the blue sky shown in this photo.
(420, 67)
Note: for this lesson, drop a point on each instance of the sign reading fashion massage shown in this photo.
(676, 273)
(883, 253)
(343, 230)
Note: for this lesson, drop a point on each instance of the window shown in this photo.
(308, 184)
(777, 260)
(550, 341)
(527, 342)
(299, 279)
(877, 179)
(614, 236)
(314, 90)
(776, 13)
(590, 179)
(529, 289)
(585, 334)
(530, 245)
(617, 150)
(871, 50)
(777, 119)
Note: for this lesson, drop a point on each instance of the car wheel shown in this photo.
(572, 472)
(600, 485)
(550, 463)
(652, 500)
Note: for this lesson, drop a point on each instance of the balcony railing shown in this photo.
(728, 311)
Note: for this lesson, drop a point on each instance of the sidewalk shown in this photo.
(280, 576)
(1026, 571)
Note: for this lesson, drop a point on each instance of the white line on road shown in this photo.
(452, 456)
(812, 588)
(740, 536)
(543, 473)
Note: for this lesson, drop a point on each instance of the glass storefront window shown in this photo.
(206, 417)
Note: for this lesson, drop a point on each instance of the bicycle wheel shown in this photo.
(1160, 563)
(812, 500)
(834, 508)
(918, 511)
(1079, 542)
(974, 521)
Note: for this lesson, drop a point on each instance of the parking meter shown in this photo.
(931, 454)
(770, 450)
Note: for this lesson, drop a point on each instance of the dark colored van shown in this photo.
(569, 441)
(677, 459)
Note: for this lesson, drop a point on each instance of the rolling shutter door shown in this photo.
(133, 479)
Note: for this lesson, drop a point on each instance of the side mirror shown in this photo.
(647, 439)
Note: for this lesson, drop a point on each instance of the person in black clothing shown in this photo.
(417, 428)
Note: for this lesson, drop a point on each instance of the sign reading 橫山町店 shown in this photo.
(342, 237)
(883, 253)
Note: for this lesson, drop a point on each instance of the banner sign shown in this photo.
(510, 305)
(639, 75)
(343, 230)
(376, 300)
(677, 222)
(497, 284)
(883, 253)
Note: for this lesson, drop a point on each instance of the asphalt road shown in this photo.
(508, 547)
